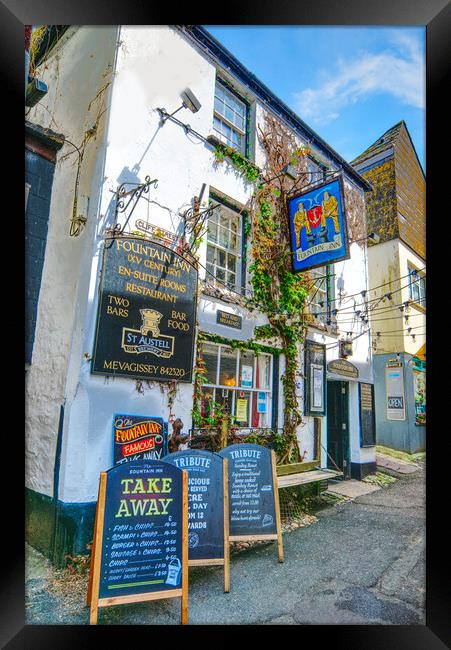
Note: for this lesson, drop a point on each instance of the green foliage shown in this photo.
(247, 169)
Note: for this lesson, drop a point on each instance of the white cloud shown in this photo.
(398, 70)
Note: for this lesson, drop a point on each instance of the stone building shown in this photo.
(396, 213)
(144, 110)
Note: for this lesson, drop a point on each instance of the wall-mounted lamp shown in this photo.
(189, 100)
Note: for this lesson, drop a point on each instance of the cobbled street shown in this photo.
(363, 562)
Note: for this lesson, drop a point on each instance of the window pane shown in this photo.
(247, 368)
(210, 357)
(242, 408)
(260, 408)
(263, 371)
(221, 258)
(212, 231)
(228, 363)
(223, 237)
(231, 280)
(231, 264)
(220, 274)
(211, 254)
(225, 398)
(210, 272)
(206, 404)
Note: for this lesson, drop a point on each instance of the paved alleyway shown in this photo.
(363, 562)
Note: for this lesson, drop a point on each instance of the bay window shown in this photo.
(240, 381)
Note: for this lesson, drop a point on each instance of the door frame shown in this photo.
(344, 417)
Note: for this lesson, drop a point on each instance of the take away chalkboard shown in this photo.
(138, 437)
(254, 512)
(140, 549)
(147, 312)
(208, 512)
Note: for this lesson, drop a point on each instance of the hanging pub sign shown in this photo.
(318, 228)
(146, 314)
(315, 371)
(138, 437)
(208, 512)
(140, 548)
(253, 494)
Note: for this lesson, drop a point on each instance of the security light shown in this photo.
(190, 100)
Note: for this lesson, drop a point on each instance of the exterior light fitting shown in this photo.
(374, 237)
(189, 100)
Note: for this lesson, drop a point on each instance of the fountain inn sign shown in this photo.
(146, 313)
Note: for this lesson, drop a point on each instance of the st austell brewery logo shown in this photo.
(148, 338)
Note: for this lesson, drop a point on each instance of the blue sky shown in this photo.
(350, 84)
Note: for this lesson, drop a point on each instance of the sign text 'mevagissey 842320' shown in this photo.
(147, 312)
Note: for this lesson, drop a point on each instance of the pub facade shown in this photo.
(146, 280)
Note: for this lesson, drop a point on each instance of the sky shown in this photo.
(349, 84)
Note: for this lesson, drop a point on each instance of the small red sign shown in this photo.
(138, 446)
(314, 215)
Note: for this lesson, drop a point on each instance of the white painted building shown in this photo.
(106, 85)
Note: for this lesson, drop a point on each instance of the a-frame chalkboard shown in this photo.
(254, 512)
(208, 508)
(140, 549)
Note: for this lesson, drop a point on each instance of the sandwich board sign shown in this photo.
(140, 549)
(208, 512)
(254, 512)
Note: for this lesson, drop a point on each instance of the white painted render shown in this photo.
(153, 66)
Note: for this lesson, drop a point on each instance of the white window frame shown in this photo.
(212, 267)
(234, 127)
(420, 283)
(237, 388)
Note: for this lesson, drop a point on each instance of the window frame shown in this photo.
(329, 290)
(244, 133)
(238, 388)
(419, 283)
(240, 269)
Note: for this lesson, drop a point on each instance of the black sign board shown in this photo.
(205, 502)
(147, 312)
(367, 415)
(228, 319)
(138, 437)
(142, 529)
(251, 490)
(314, 383)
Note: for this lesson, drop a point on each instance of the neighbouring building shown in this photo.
(396, 213)
(118, 166)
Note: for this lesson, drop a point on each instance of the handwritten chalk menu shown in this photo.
(142, 529)
(147, 312)
(251, 490)
(138, 437)
(205, 502)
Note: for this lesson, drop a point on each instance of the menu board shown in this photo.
(137, 437)
(142, 529)
(205, 502)
(147, 312)
(367, 415)
(251, 490)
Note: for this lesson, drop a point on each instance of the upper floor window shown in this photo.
(224, 247)
(229, 121)
(322, 294)
(417, 287)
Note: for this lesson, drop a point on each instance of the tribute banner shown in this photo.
(147, 312)
(208, 512)
(253, 494)
(318, 229)
(140, 549)
(137, 437)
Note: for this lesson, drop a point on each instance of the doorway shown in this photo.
(338, 427)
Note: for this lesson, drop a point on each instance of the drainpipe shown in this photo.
(56, 477)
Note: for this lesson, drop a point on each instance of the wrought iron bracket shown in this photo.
(128, 200)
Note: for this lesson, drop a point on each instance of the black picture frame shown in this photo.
(311, 350)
